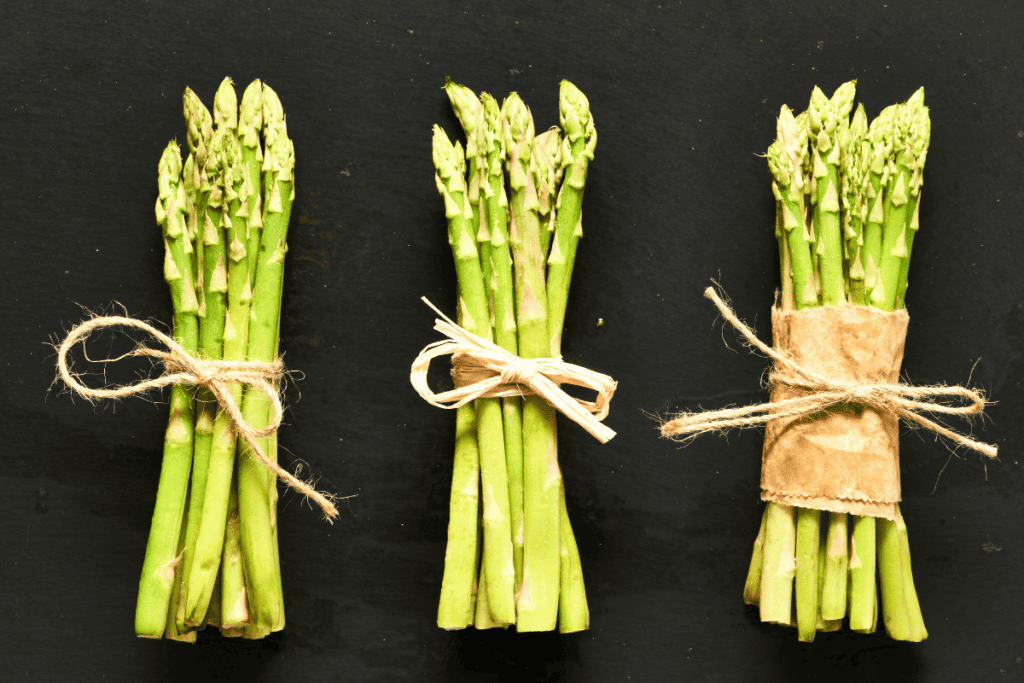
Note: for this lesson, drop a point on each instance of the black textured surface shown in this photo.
(684, 98)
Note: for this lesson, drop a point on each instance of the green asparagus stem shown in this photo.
(573, 612)
(827, 155)
(853, 203)
(877, 172)
(213, 304)
(161, 561)
(547, 167)
(455, 609)
(504, 327)
(895, 611)
(784, 160)
(919, 138)
(225, 157)
(470, 112)
(497, 547)
(897, 208)
(752, 587)
(914, 618)
(834, 582)
(779, 568)
(234, 605)
(863, 594)
(537, 600)
(580, 133)
(257, 487)
(824, 624)
(808, 533)
(171, 630)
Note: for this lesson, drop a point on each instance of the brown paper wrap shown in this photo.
(844, 458)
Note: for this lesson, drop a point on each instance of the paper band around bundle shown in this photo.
(180, 367)
(482, 369)
(832, 435)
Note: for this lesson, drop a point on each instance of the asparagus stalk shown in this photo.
(538, 596)
(863, 596)
(547, 165)
(835, 580)
(808, 532)
(853, 203)
(456, 606)
(577, 152)
(784, 160)
(897, 194)
(213, 304)
(210, 538)
(161, 561)
(752, 587)
(920, 136)
(503, 313)
(779, 567)
(497, 559)
(257, 487)
(581, 135)
(827, 154)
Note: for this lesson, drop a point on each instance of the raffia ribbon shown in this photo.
(482, 369)
(902, 400)
(180, 367)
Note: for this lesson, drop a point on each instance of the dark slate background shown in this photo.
(685, 97)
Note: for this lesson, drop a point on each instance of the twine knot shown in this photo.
(903, 400)
(520, 371)
(482, 369)
(181, 367)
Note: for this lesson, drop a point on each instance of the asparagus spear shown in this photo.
(808, 531)
(827, 154)
(210, 538)
(784, 160)
(538, 596)
(161, 561)
(920, 136)
(213, 304)
(829, 137)
(577, 152)
(779, 567)
(574, 115)
(547, 165)
(497, 560)
(853, 203)
(503, 314)
(257, 487)
(752, 587)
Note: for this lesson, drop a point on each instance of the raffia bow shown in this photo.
(902, 400)
(482, 369)
(216, 375)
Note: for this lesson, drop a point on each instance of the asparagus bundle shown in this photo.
(847, 199)
(212, 556)
(512, 557)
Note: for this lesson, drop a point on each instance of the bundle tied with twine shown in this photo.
(482, 369)
(843, 430)
(180, 367)
(903, 400)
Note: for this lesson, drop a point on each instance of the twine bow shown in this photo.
(180, 367)
(905, 401)
(482, 369)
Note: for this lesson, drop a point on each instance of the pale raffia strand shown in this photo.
(483, 369)
(180, 367)
(902, 400)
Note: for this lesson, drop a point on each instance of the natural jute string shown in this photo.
(902, 400)
(483, 369)
(180, 367)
